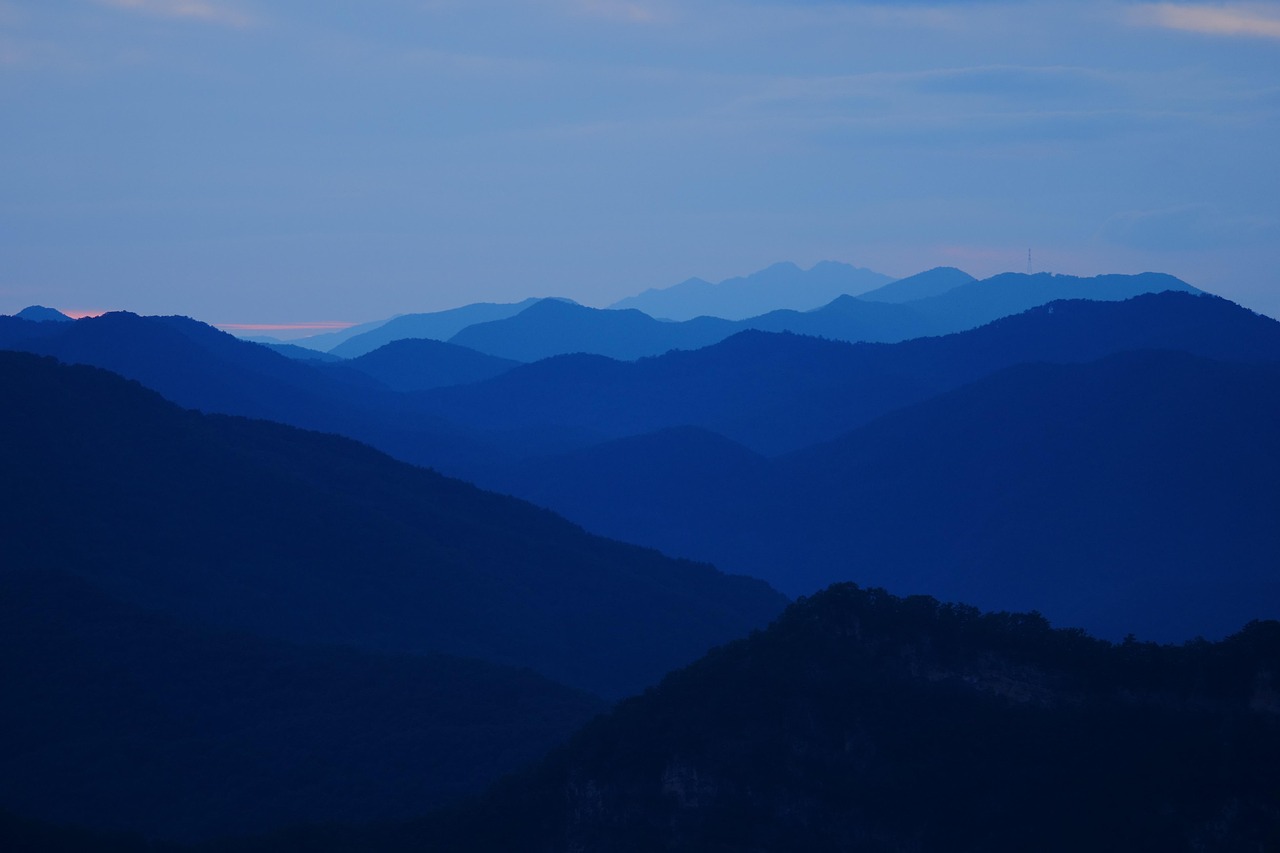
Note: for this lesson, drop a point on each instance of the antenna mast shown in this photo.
(1028, 262)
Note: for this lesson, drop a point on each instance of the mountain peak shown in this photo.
(41, 314)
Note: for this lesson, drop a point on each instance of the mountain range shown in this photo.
(307, 537)
(782, 285)
(957, 303)
(222, 616)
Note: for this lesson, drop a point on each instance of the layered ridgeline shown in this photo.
(780, 286)
(1136, 493)
(778, 393)
(558, 327)
(314, 538)
(117, 719)
(861, 721)
(935, 302)
(199, 367)
(437, 325)
(802, 524)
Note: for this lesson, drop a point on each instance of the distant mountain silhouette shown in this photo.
(552, 327)
(977, 302)
(41, 314)
(548, 330)
(313, 538)
(922, 285)
(850, 319)
(301, 353)
(782, 285)
(119, 719)
(199, 367)
(777, 393)
(437, 325)
(861, 721)
(416, 364)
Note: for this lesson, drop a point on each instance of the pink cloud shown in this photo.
(1221, 20)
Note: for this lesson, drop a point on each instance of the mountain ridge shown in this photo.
(335, 542)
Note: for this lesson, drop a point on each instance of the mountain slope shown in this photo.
(199, 367)
(41, 314)
(1134, 494)
(776, 393)
(554, 327)
(416, 364)
(313, 538)
(548, 331)
(437, 325)
(780, 286)
(860, 721)
(123, 720)
(922, 285)
(977, 302)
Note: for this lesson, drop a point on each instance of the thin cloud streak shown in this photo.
(192, 10)
(1246, 21)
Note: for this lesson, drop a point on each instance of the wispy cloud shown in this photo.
(201, 11)
(1246, 20)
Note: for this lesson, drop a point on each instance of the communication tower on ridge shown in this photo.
(1028, 262)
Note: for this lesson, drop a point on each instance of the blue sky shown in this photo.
(246, 161)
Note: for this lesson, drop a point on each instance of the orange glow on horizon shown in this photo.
(80, 314)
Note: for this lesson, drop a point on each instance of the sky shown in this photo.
(321, 162)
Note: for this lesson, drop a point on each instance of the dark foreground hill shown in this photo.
(314, 538)
(861, 721)
(123, 720)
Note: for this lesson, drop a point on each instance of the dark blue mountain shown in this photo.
(41, 314)
(300, 353)
(555, 327)
(777, 393)
(199, 367)
(550, 329)
(1133, 494)
(417, 364)
(780, 286)
(437, 325)
(120, 719)
(313, 538)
